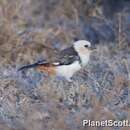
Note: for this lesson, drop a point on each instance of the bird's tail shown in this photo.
(39, 63)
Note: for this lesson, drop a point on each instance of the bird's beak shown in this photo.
(92, 48)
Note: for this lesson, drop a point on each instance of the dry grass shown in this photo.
(32, 100)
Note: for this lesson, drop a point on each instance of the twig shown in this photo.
(127, 67)
(119, 29)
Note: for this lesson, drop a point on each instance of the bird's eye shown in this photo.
(86, 46)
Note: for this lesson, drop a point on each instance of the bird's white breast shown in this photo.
(84, 55)
(84, 58)
(68, 70)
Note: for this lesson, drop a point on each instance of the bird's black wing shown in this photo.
(67, 56)
(41, 62)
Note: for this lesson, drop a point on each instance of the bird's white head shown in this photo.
(83, 45)
(83, 48)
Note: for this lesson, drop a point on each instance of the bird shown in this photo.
(69, 61)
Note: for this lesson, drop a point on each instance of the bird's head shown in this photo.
(84, 49)
(83, 46)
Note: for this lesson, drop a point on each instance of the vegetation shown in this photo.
(31, 30)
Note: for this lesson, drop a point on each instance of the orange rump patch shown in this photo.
(48, 69)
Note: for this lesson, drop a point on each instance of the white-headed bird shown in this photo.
(68, 62)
